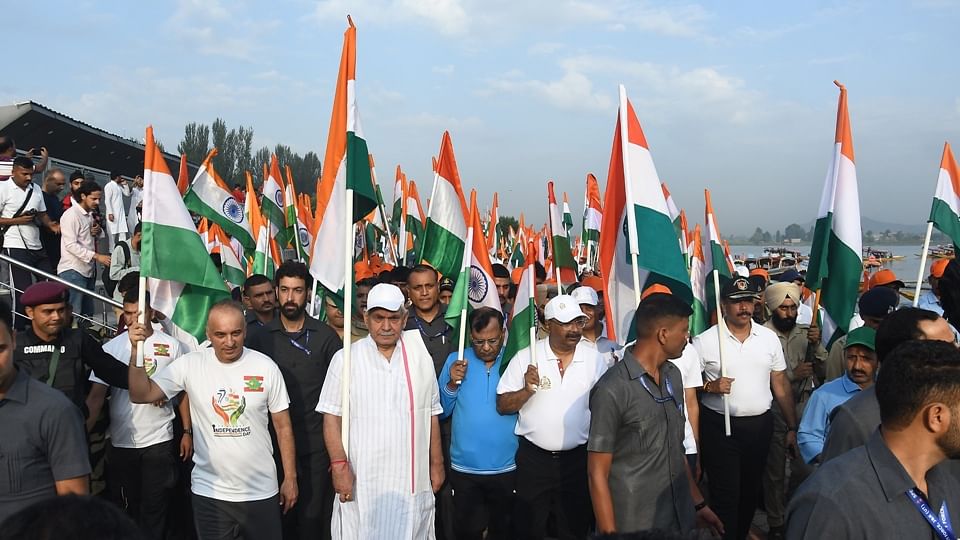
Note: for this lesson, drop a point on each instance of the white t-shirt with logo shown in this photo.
(230, 406)
(139, 425)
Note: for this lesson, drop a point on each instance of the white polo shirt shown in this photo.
(557, 416)
(11, 197)
(689, 366)
(749, 363)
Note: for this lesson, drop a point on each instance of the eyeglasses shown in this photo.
(492, 343)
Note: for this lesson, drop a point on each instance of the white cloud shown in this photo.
(210, 28)
(443, 70)
(544, 48)
(481, 19)
(572, 91)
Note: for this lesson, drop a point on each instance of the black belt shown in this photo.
(552, 453)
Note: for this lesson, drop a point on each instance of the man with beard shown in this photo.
(755, 376)
(891, 487)
(260, 299)
(861, 370)
(552, 396)
(804, 356)
(302, 347)
(501, 278)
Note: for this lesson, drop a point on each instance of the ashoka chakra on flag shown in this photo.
(233, 210)
(477, 286)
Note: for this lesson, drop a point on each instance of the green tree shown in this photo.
(757, 236)
(794, 231)
(196, 142)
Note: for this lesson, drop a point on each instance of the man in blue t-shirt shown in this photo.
(483, 443)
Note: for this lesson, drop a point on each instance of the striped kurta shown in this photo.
(391, 407)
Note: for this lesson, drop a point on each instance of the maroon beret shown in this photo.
(44, 292)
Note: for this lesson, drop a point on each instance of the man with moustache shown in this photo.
(804, 356)
(892, 487)
(858, 417)
(302, 347)
(860, 373)
(386, 483)
(756, 375)
(260, 299)
(552, 396)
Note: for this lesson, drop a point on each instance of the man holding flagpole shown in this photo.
(386, 487)
(756, 374)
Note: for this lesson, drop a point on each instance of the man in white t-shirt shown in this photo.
(552, 395)
(142, 455)
(235, 393)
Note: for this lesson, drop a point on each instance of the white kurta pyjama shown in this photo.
(113, 204)
(389, 447)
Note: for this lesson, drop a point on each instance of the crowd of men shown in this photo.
(270, 430)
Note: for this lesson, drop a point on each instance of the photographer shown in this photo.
(22, 210)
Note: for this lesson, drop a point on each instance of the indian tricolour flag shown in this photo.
(233, 271)
(346, 167)
(475, 287)
(414, 220)
(183, 281)
(638, 245)
(592, 217)
(264, 261)
(209, 196)
(699, 321)
(675, 217)
(494, 233)
(399, 191)
(559, 242)
(297, 229)
(522, 331)
(836, 260)
(273, 202)
(945, 213)
(715, 256)
(567, 220)
(446, 226)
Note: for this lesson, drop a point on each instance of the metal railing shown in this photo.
(53, 277)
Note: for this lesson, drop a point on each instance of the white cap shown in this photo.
(563, 308)
(742, 270)
(585, 295)
(384, 296)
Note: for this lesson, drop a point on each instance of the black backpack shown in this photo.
(108, 284)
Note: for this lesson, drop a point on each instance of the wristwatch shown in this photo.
(188, 431)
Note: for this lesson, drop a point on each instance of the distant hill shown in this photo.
(870, 224)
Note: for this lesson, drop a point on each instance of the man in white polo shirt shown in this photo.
(234, 393)
(756, 374)
(142, 455)
(552, 395)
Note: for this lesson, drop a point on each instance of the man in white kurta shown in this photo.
(393, 465)
(113, 194)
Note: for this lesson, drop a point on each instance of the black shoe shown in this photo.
(776, 533)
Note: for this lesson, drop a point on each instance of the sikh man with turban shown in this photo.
(805, 359)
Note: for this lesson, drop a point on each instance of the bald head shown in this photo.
(226, 330)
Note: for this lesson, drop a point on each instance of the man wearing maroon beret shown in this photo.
(52, 352)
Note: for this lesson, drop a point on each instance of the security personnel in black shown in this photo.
(302, 347)
(59, 356)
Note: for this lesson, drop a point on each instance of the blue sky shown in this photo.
(734, 96)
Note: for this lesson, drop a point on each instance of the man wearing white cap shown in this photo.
(593, 328)
(386, 484)
(551, 390)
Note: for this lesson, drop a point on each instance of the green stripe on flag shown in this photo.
(358, 177)
(839, 291)
(817, 266)
(197, 206)
(945, 220)
(659, 252)
(193, 305)
(184, 263)
(442, 249)
(519, 336)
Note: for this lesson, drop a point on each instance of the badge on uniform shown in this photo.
(161, 349)
(545, 383)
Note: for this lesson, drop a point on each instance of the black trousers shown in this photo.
(734, 466)
(249, 520)
(483, 502)
(141, 481)
(309, 519)
(23, 278)
(551, 483)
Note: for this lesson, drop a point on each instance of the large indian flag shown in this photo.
(209, 196)
(273, 202)
(636, 227)
(945, 213)
(183, 281)
(346, 166)
(836, 260)
(446, 226)
(522, 331)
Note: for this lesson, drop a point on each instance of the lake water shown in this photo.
(906, 268)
